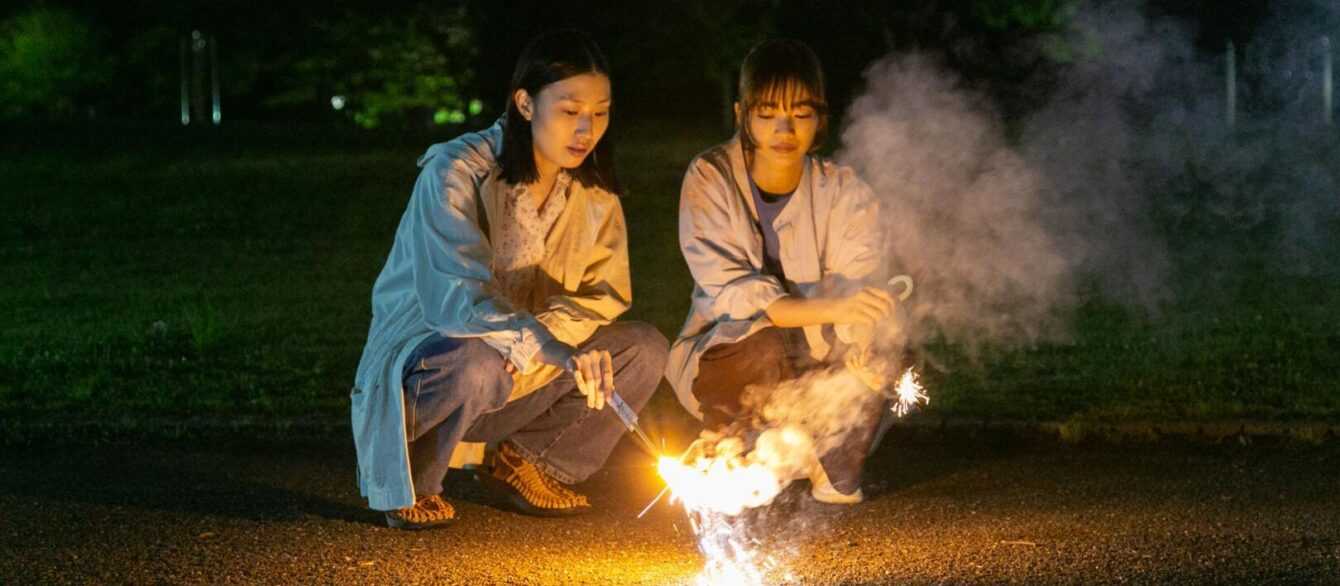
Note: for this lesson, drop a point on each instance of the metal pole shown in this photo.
(1327, 85)
(199, 89)
(1230, 60)
(185, 88)
(214, 78)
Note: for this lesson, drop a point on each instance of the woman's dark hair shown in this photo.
(552, 57)
(772, 73)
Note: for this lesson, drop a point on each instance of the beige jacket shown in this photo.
(830, 242)
(437, 279)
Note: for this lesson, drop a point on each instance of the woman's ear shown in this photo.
(523, 104)
(738, 120)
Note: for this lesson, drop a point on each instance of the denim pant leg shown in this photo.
(725, 370)
(767, 358)
(553, 428)
(449, 383)
(844, 463)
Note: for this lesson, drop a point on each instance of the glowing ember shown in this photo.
(910, 394)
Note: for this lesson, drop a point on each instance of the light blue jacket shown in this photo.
(438, 279)
(435, 279)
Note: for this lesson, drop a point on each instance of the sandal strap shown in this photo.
(538, 488)
(428, 509)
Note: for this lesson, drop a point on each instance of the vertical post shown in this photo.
(199, 91)
(185, 87)
(214, 79)
(1231, 85)
(1327, 81)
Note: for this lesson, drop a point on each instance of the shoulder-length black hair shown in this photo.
(549, 58)
(772, 72)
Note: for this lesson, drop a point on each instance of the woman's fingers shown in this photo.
(594, 373)
(583, 386)
(877, 299)
(882, 294)
(868, 315)
(607, 366)
(875, 308)
(593, 379)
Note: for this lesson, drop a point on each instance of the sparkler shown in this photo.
(628, 416)
(714, 491)
(909, 394)
(717, 479)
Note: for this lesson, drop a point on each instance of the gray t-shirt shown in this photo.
(769, 205)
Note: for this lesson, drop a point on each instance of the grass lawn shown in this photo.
(156, 272)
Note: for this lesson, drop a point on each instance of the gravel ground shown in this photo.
(962, 511)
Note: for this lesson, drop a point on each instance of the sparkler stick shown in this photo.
(628, 416)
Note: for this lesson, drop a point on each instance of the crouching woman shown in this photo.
(780, 243)
(493, 318)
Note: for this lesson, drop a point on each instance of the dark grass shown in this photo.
(152, 272)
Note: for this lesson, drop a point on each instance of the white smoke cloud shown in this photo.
(1129, 181)
(966, 213)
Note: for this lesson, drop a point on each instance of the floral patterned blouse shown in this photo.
(521, 232)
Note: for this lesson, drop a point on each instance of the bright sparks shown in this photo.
(910, 394)
(719, 485)
(718, 478)
(714, 491)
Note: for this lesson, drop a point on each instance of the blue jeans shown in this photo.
(767, 358)
(456, 390)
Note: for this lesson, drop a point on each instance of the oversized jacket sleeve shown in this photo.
(451, 261)
(855, 240)
(606, 289)
(716, 248)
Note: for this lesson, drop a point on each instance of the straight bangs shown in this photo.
(785, 91)
(782, 73)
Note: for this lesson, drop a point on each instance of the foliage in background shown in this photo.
(412, 68)
(213, 277)
(1028, 15)
(726, 31)
(48, 58)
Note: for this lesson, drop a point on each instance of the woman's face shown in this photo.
(783, 127)
(567, 119)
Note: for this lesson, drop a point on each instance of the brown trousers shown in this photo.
(768, 357)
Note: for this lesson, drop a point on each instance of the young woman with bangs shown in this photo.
(781, 243)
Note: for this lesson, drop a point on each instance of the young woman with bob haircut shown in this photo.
(781, 244)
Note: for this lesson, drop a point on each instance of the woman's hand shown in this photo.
(592, 369)
(865, 307)
(866, 368)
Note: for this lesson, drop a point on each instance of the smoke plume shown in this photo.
(1127, 184)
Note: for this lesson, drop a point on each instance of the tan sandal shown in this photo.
(426, 512)
(529, 489)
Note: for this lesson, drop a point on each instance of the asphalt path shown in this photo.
(973, 510)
